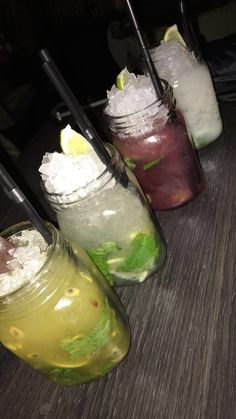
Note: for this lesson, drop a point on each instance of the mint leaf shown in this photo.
(99, 257)
(62, 372)
(67, 376)
(152, 163)
(92, 341)
(102, 265)
(143, 251)
(66, 373)
(106, 248)
(130, 163)
(200, 142)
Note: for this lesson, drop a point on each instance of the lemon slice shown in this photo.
(122, 78)
(73, 143)
(172, 34)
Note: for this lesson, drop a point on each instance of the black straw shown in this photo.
(188, 33)
(14, 193)
(146, 54)
(76, 110)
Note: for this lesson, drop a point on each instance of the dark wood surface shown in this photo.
(182, 360)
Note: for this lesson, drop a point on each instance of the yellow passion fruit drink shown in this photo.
(57, 312)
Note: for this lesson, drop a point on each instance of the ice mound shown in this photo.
(171, 60)
(65, 173)
(137, 94)
(167, 49)
(28, 255)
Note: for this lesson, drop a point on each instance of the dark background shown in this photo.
(75, 33)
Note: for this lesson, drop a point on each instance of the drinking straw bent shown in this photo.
(146, 55)
(15, 193)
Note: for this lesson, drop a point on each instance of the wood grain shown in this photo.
(182, 362)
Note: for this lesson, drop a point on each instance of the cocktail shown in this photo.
(57, 312)
(110, 220)
(154, 143)
(193, 90)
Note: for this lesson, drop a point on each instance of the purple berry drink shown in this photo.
(165, 165)
(157, 148)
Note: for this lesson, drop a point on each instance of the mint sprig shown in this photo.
(152, 163)
(99, 257)
(143, 251)
(92, 341)
(130, 163)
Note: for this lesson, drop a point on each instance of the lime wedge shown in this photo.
(172, 34)
(122, 78)
(73, 143)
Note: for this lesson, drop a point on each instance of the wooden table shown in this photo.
(182, 361)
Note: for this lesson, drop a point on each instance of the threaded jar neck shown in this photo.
(106, 179)
(40, 282)
(144, 120)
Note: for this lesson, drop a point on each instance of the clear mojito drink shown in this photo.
(59, 314)
(154, 142)
(113, 223)
(193, 90)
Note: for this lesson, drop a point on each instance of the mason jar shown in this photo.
(66, 321)
(113, 222)
(193, 90)
(154, 143)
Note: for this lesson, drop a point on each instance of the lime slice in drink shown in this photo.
(73, 143)
(172, 34)
(122, 78)
(114, 262)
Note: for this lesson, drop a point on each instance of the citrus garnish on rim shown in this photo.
(122, 78)
(172, 34)
(73, 143)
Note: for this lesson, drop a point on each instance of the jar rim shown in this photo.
(181, 49)
(194, 53)
(55, 198)
(57, 194)
(167, 88)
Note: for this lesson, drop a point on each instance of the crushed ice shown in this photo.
(30, 251)
(137, 94)
(65, 173)
(171, 60)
